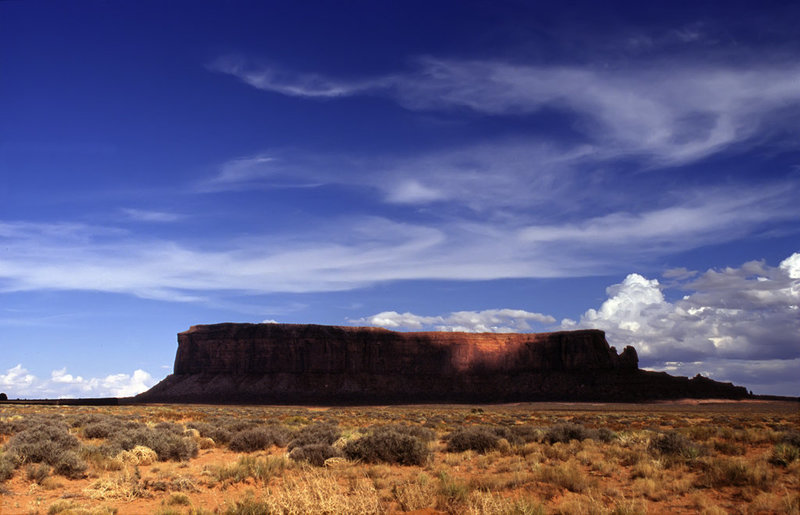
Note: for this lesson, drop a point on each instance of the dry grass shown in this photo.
(247, 467)
(521, 459)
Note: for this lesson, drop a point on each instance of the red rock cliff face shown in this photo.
(294, 363)
(315, 349)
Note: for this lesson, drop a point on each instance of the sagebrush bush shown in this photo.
(721, 472)
(7, 467)
(728, 448)
(219, 433)
(317, 433)
(259, 438)
(791, 437)
(566, 475)
(9, 427)
(388, 445)
(248, 506)
(566, 432)
(102, 429)
(178, 499)
(315, 453)
(13, 425)
(605, 435)
(674, 444)
(452, 494)
(37, 472)
(70, 465)
(423, 433)
(170, 427)
(477, 438)
(42, 443)
(234, 424)
(784, 454)
(525, 433)
(167, 444)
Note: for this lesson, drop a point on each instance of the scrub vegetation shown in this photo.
(709, 457)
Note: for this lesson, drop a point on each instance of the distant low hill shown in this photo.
(317, 364)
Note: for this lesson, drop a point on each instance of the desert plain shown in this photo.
(667, 457)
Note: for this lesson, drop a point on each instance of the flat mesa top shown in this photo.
(233, 326)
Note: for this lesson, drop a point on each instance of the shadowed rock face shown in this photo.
(297, 363)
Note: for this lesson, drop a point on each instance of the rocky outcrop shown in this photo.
(298, 363)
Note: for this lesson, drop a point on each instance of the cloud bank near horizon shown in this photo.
(18, 382)
(486, 321)
(736, 324)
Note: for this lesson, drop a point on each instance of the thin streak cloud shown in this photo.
(349, 253)
(670, 112)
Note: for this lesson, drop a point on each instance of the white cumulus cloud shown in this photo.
(738, 324)
(18, 382)
(486, 321)
(731, 320)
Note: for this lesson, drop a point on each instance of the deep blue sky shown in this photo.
(417, 165)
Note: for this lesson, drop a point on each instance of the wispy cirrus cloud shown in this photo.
(667, 112)
(261, 171)
(481, 177)
(145, 215)
(344, 253)
(290, 83)
(702, 215)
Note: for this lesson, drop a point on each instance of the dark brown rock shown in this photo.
(298, 363)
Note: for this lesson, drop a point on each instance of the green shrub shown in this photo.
(315, 453)
(388, 445)
(318, 433)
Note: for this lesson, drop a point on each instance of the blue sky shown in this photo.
(469, 166)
